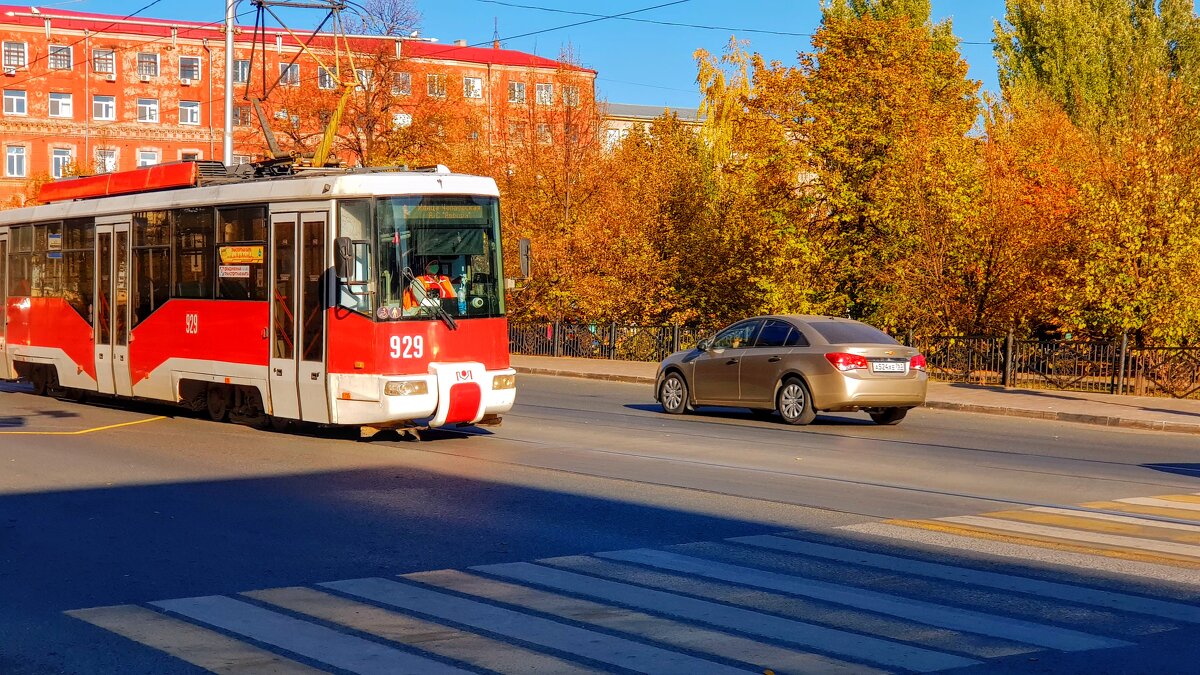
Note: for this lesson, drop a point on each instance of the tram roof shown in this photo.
(309, 187)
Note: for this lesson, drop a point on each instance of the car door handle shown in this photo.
(731, 362)
(775, 359)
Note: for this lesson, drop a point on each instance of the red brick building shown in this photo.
(86, 93)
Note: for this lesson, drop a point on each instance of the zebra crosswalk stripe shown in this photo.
(600, 647)
(630, 622)
(820, 638)
(305, 638)
(919, 611)
(1047, 589)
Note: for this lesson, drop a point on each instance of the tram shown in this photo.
(359, 297)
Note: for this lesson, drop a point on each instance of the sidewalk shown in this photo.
(1138, 412)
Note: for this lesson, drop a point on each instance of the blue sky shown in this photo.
(637, 62)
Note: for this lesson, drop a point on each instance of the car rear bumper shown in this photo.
(837, 391)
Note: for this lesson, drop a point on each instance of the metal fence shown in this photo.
(1109, 367)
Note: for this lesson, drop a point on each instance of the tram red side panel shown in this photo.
(226, 331)
(51, 322)
(359, 345)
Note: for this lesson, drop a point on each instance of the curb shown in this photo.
(1078, 418)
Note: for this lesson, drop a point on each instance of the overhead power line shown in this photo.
(678, 24)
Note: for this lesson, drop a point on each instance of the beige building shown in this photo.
(619, 118)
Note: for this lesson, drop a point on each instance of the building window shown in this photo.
(241, 159)
(60, 162)
(60, 57)
(15, 55)
(189, 112)
(326, 78)
(516, 132)
(14, 164)
(545, 93)
(570, 96)
(516, 92)
(147, 157)
(400, 120)
(363, 77)
(289, 74)
(472, 87)
(613, 137)
(436, 84)
(189, 156)
(147, 109)
(241, 71)
(104, 107)
(147, 65)
(61, 105)
(14, 102)
(189, 68)
(401, 84)
(104, 61)
(106, 160)
(241, 115)
(543, 134)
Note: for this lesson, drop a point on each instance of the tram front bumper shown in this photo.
(381, 400)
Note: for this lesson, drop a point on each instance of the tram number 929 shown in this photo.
(408, 346)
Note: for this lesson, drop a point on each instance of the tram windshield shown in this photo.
(434, 255)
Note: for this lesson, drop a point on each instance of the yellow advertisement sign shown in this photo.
(241, 255)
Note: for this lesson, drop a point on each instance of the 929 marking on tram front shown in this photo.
(191, 324)
(407, 346)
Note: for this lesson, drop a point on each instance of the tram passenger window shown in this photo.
(193, 253)
(77, 263)
(151, 262)
(45, 264)
(19, 273)
(246, 223)
(241, 265)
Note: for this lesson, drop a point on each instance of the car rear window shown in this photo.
(847, 332)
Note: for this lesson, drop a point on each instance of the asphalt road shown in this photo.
(149, 505)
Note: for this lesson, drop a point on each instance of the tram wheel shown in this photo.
(40, 379)
(218, 403)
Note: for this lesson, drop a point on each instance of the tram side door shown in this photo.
(298, 388)
(4, 372)
(110, 309)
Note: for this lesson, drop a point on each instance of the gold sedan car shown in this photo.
(796, 366)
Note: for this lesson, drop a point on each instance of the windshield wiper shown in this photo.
(435, 306)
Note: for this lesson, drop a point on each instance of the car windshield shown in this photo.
(851, 332)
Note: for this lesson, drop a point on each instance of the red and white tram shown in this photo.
(353, 297)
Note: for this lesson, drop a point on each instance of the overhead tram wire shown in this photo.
(677, 24)
(597, 17)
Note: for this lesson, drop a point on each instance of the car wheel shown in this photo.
(672, 394)
(794, 402)
(888, 415)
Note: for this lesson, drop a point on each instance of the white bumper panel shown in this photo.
(360, 399)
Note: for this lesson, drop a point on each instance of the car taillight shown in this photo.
(917, 362)
(843, 361)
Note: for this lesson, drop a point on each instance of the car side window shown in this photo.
(737, 336)
(796, 339)
(774, 334)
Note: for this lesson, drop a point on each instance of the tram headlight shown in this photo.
(406, 388)
(504, 382)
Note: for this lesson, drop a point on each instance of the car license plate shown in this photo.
(888, 366)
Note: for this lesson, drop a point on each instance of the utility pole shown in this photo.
(230, 16)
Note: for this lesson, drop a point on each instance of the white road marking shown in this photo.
(1130, 520)
(942, 616)
(829, 640)
(307, 639)
(532, 629)
(1162, 503)
(1007, 582)
(1136, 543)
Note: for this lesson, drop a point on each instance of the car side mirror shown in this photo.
(343, 258)
(705, 344)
